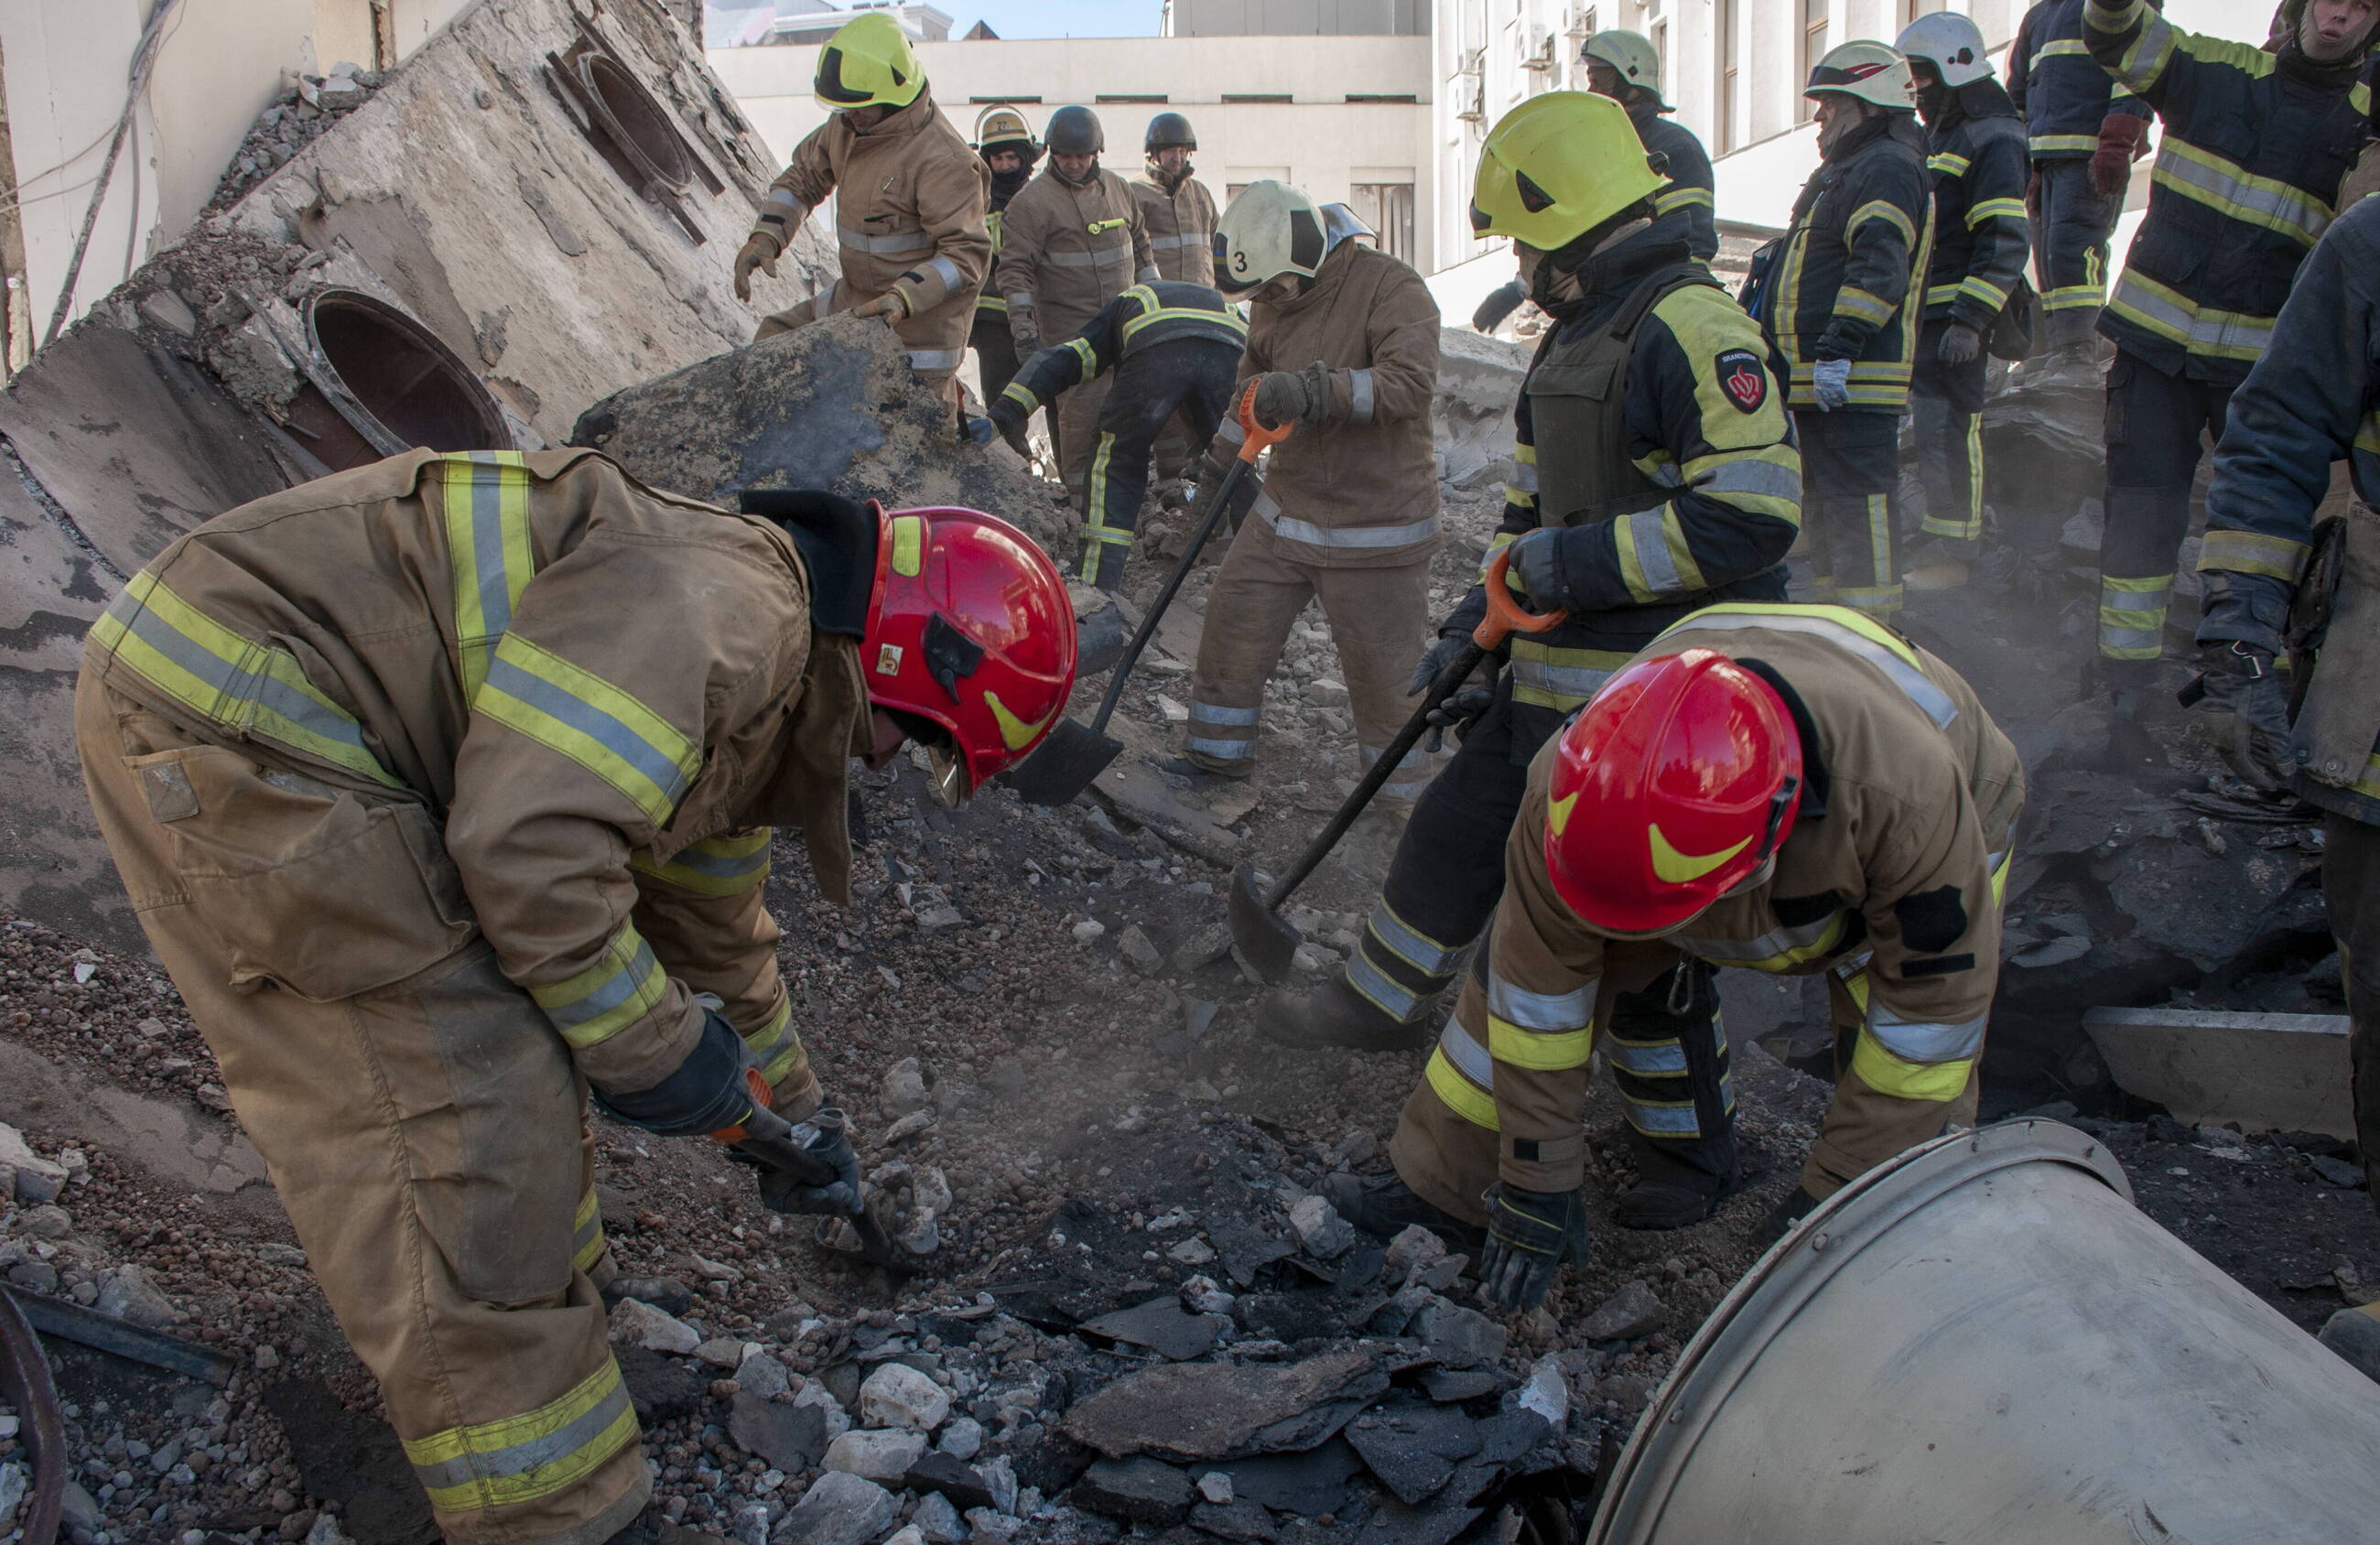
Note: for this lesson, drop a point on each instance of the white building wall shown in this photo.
(1313, 137)
(1197, 19)
(66, 65)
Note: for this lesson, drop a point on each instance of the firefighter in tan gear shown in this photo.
(1071, 242)
(1794, 789)
(1343, 341)
(443, 787)
(1176, 208)
(911, 203)
(1005, 142)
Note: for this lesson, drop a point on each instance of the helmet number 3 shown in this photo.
(1239, 262)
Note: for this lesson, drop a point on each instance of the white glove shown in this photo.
(1830, 380)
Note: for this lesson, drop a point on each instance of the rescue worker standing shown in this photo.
(1844, 307)
(1005, 142)
(2082, 134)
(442, 789)
(1626, 67)
(2311, 400)
(1597, 523)
(1176, 208)
(1795, 789)
(1175, 351)
(1071, 242)
(1980, 245)
(910, 208)
(1342, 341)
(2248, 166)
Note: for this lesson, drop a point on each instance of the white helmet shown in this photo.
(1271, 229)
(1632, 55)
(1951, 42)
(1868, 70)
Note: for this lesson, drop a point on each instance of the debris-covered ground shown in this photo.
(1137, 1316)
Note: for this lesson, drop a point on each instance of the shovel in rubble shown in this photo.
(1259, 933)
(1075, 754)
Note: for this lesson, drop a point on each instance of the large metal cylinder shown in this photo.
(1984, 1343)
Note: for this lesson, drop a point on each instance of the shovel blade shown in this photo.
(1263, 937)
(1064, 766)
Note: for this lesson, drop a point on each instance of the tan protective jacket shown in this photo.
(1358, 489)
(1181, 227)
(1906, 816)
(595, 697)
(1065, 252)
(911, 204)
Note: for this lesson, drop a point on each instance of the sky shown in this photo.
(1057, 18)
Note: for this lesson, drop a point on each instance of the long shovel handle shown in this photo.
(1505, 617)
(1256, 437)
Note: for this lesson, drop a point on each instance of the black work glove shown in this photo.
(706, 1093)
(1458, 713)
(2239, 679)
(1010, 418)
(1960, 343)
(1529, 1234)
(1500, 304)
(1302, 395)
(825, 1141)
(1435, 661)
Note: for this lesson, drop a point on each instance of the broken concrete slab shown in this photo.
(1631, 1311)
(1136, 790)
(1302, 1484)
(1139, 1490)
(2267, 1072)
(832, 405)
(1162, 1326)
(1212, 1411)
(1412, 1451)
(791, 1438)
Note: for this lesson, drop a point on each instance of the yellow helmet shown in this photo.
(868, 63)
(1556, 167)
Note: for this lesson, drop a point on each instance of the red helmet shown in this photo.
(1672, 788)
(969, 626)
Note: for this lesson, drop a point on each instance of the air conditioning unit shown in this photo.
(1543, 58)
(1579, 23)
(1472, 101)
(1471, 61)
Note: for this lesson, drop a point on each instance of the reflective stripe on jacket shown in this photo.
(2249, 164)
(602, 690)
(1847, 281)
(1359, 488)
(911, 200)
(1180, 221)
(2059, 88)
(1910, 796)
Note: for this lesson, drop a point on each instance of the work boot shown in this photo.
(1668, 1194)
(1934, 564)
(1199, 778)
(1386, 1206)
(2354, 1334)
(1336, 1016)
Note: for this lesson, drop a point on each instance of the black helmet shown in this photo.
(1170, 128)
(1074, 131)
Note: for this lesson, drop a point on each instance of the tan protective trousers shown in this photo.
(1378, 617)
(1075, 424)
(1449, 1162)
(422, 1122)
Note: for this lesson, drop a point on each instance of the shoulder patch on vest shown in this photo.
(1931, 921)
(1743, 378)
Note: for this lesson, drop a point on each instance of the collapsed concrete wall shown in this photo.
(539, 208)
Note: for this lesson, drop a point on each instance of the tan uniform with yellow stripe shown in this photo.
(912, 202)
(442, 787)
(1889, 883)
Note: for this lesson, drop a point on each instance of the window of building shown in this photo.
(1132, 96)
(1814, 43)
(1275, 97)
(1911, 9)
(1723, 21)
(1388, 207)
